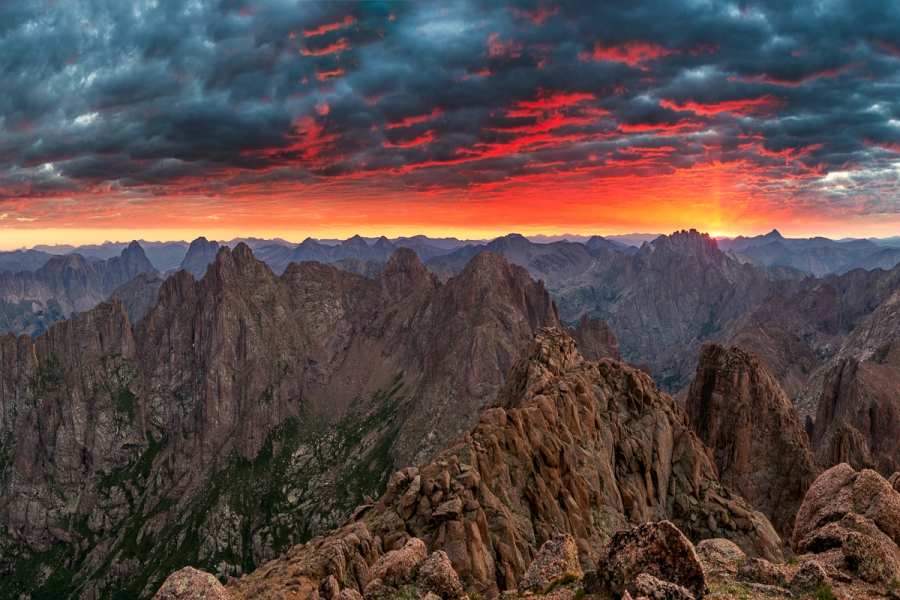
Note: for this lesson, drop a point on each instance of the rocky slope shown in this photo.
(66, 285)
(577, 447)
(244, 413)
(761, 450)
(821, 313)
(595, 339)
(846, 539)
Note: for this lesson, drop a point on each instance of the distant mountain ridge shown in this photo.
(31, 301)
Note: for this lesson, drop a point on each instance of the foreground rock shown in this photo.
(586, 449)
(852, 520)
(720, 556)
(557, 561)
(191, 584)
(761, 450)
(656, 549)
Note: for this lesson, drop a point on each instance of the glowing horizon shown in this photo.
(448, 119)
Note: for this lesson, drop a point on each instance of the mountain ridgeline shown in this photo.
(30, 301)
(243, 413)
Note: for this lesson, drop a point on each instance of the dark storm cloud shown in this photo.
(166, 96)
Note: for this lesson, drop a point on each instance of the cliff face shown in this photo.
(856, 394)
(858, 418)
(65, 285)
(585, 448)
(761, 450)
(785, 354)
(244, 413)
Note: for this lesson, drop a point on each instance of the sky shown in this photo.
(168, 119)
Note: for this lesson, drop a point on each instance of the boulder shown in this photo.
(656, 549)
(438, 576)
(809, 578)
(757, 570)
(349, 594)
(856, 512)
(720, 555)
(557, 559)
(398, 567)
(329, 588)
(864, 557)
(652, 588)
(191, 584)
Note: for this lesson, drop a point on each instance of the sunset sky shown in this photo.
(168, 119)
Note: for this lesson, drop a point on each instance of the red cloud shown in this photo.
(538, 15)
(631, 53)
(763, 105)
(413, 120)
(507, 50)
(422, 139)
(775, 80)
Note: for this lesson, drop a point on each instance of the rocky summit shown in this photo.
(571, 447)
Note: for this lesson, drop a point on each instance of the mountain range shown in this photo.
(221, 413)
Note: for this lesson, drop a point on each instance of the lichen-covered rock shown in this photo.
(757, 570)
(855, 512)
(652, 588)
(864, 557)
(349, 594)
(329, 588)
(376, 590)
(398, 567)
(657, 549)
(557, 559)
(809, 578)
(894, 481)
(720, 555)
(437, 574)
(191, 584)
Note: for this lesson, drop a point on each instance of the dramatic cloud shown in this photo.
(454, 113)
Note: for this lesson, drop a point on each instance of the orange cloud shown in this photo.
(326, 75)
(341, 44)
(347, 22)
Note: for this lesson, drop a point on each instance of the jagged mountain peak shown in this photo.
(404, 273)
(200, 253)
(760, 447)
(134, 256)
(355, 240)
